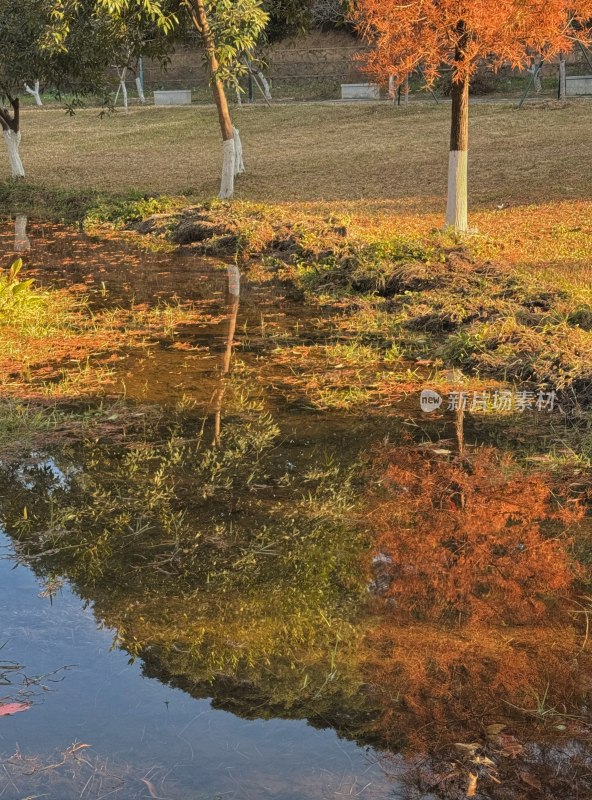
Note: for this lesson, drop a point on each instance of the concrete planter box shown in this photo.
(174, 97)
(360, 91)
(578, 85)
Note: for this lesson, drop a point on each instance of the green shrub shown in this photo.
(16, 296)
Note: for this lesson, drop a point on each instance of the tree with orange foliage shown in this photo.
(458, 34)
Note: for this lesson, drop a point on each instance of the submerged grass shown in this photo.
(56, 351)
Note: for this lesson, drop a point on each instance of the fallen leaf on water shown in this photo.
(472, 747)
(13, 708)
(509, 746)
(150, 786)
(530, 780)
(484, 761)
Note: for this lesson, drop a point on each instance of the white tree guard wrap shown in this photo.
(124, 94)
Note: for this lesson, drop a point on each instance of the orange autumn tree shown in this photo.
(457, 34)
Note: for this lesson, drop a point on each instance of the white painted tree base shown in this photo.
(457, 207)
(266, 86)
(121, 74)
(228, 170)
(34, 92)
(140, 90)
(239, 164)
(13, 141)
(392, 89)
(124, 95)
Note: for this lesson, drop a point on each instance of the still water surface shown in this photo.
(139, 728)
(198, 622)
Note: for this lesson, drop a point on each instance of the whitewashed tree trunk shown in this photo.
(201, 21)
(535, 71)
(239, 164)
(265, 85)
(140, 90)
(562, 77)
(13, 143)
(124, 90)
(392, 89)
(233, 303)
(457, 207)
(34, 92)
(22, 243)
(228, 170)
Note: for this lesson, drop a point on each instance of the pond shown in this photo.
(240, 593)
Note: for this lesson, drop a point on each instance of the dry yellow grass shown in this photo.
(319, 152)
(530, 172)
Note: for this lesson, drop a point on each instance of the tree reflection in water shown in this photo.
(22, 243)
(480, 657)
(232, 579)
(233, 304)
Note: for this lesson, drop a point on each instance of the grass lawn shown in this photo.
(384, 167)
(312, 153)
(517, 292)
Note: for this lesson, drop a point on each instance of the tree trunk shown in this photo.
(537, 67)
(392, 88)
(237, 89)
(562, 77)
(239, 164)
(123, 89)
(34, 92)
(12, 137)
(200, 20)
(228, 169)
(12, 140)
(457, 208)
(233, 306)
(266, 86)
(140, 90)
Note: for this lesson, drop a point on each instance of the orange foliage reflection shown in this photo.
(478, 538)
(474, 583)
